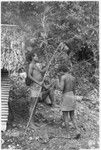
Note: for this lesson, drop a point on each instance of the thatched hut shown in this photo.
(12, 47)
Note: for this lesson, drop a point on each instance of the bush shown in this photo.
(18, 88)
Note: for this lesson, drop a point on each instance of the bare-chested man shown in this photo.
(67, 85)
(35, 73)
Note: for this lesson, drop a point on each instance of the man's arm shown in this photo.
(60, 84)
(43, 70)
(30, 75)
(52, 84)
(74, 85)
(40, 68)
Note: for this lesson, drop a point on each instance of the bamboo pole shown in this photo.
(10, 25)
(41, 87)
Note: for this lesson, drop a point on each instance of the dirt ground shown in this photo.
(50, 132)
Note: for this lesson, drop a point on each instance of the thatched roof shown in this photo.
(12, 47)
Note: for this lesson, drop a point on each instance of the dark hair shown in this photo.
(62, 68)
(21, 70)
(29, 57)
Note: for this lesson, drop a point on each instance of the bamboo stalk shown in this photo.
(9, 25)
(41, 87)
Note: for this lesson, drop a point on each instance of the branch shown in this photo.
(75, 36)
(9, 25)
(45, 35)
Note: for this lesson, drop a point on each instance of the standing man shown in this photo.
(35, 73)
(67, 85)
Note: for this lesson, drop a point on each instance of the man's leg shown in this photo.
(73, 121)
(47, 93)
(51, 96)
(32, 104)
(66, 119)
(72, 117)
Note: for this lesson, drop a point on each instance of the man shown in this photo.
(67, 85)
(35, 73)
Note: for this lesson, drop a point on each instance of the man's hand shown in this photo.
(42, 84)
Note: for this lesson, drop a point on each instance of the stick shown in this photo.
(41, 87)
(9, 25)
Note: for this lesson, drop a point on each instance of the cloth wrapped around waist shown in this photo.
(69, 101)
(35, 90)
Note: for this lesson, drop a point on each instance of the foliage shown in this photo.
(18, 89)
(46, 24)
(12, 55)
(41, 27)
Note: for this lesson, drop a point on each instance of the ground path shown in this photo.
(50, 134)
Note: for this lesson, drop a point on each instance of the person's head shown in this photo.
(21, 70)
(35, 58)
(31, 57)
(62, 69)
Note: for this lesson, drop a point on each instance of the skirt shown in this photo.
(35, 90)
(69, 101)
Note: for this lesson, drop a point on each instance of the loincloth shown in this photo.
(35, 90)
(69, 101)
